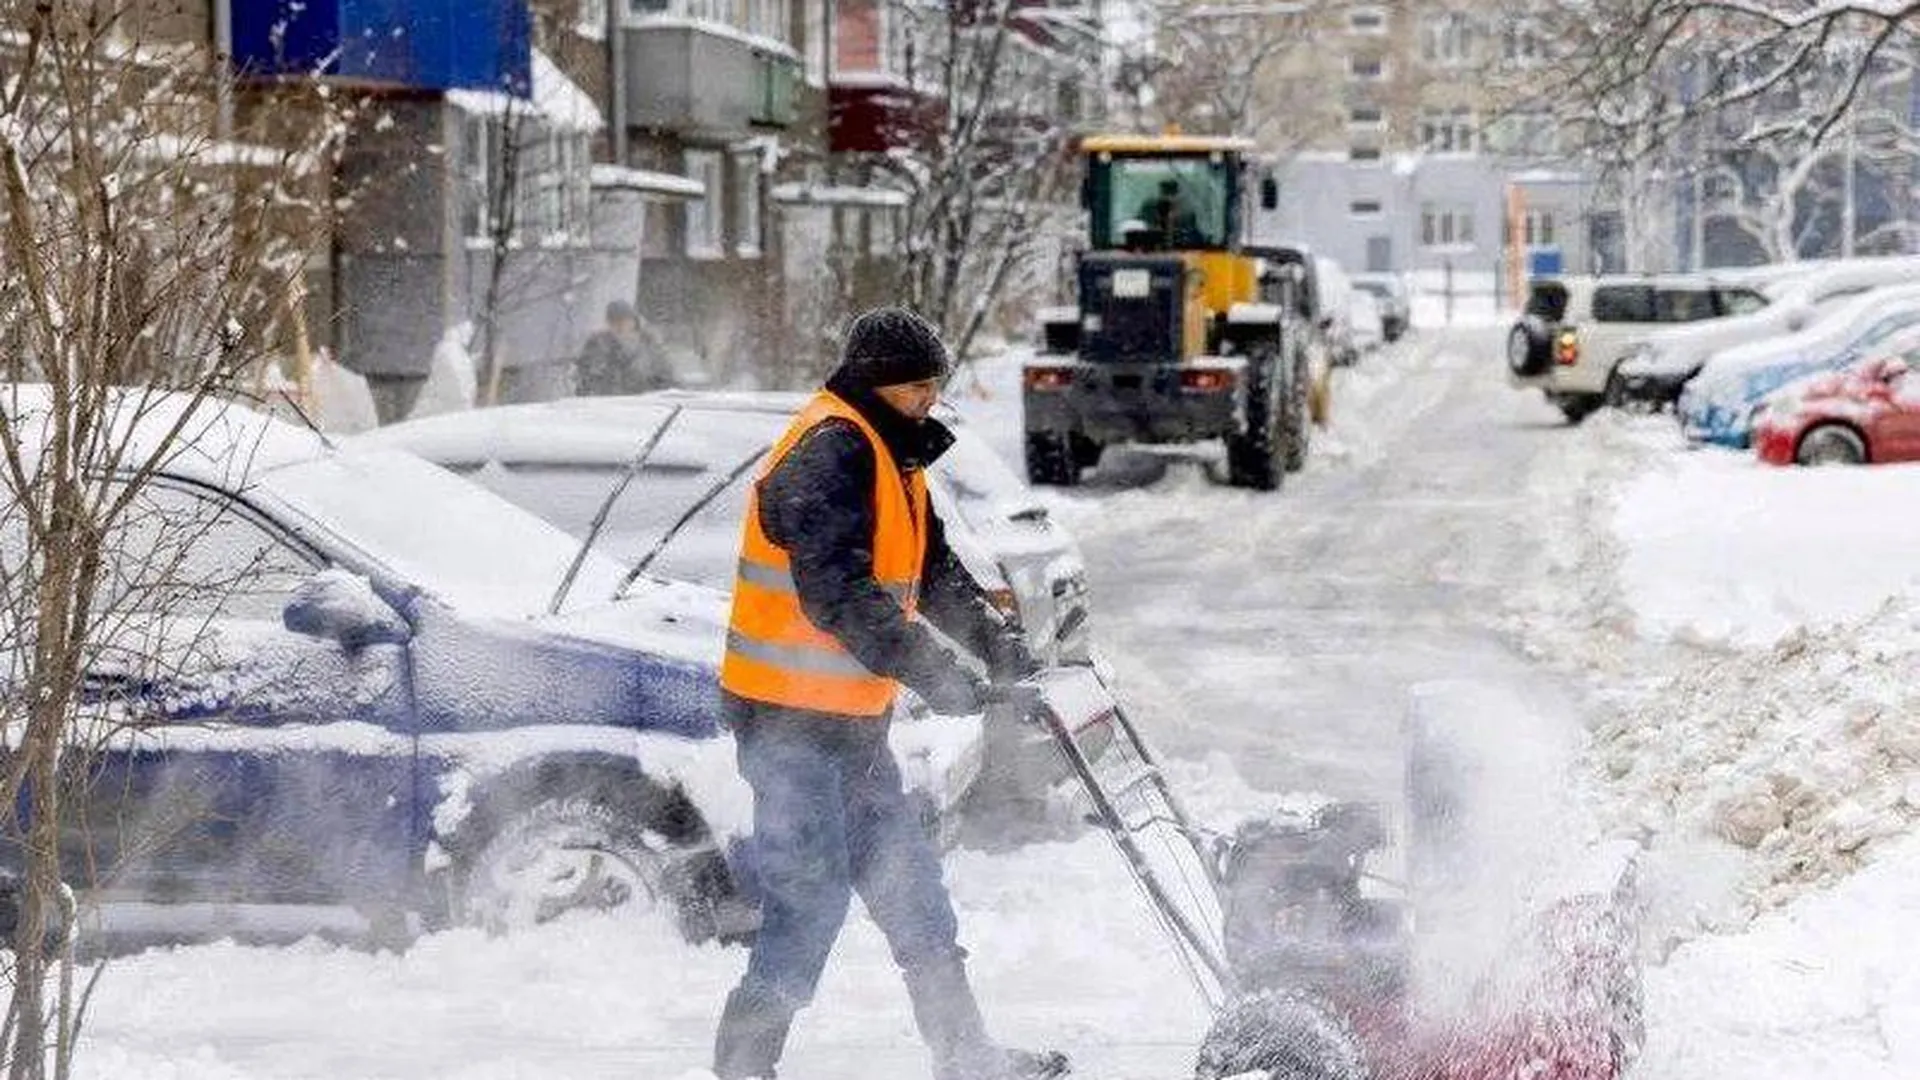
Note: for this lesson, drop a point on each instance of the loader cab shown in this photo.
(1170, 193)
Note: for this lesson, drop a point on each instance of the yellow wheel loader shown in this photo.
(1185, 329)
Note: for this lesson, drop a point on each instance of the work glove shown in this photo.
(953, 689)
(1007, 656)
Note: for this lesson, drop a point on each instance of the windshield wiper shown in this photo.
(606, 508)
(679, 523)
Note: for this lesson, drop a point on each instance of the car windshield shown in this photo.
(430, 528)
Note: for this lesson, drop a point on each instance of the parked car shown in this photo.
(561, 459)
(1665, 361)
(383, 719)
(1366, 329)
(1335, 311)
(1396, 305)
(1574, 331)
(1719, 405)
(1868, 413)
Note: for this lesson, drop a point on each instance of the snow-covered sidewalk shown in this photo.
(1754, 634)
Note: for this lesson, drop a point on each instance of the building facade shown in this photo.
(1425, 152)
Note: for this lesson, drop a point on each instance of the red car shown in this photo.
(1868, 413)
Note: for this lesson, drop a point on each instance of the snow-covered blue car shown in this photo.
(1720, 405)
(372, 719)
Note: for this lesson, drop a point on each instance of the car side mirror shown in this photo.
(1269, 193)
(340, 606)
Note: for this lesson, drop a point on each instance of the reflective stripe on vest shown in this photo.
(775, 654)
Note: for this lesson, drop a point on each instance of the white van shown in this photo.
(1574, 331)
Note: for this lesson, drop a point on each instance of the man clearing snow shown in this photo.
(840, 556)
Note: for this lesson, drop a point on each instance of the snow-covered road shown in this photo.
(1285, 629)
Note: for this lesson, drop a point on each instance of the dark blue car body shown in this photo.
(299, 782)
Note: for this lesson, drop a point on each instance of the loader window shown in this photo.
(1161, 203)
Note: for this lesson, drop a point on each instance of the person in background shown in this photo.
(622, 358)
(843, 565)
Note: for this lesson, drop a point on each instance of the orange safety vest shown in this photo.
(774, 654)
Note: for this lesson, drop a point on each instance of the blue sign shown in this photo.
(418, 44)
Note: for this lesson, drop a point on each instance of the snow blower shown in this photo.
(1303, 954)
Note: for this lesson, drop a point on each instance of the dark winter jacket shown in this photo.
(610, 364)
(818, 505)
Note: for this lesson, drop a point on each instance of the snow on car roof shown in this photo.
(207, 440)
(576, 431)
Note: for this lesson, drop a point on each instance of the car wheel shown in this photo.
(561, 839)
(1529, 347)
(1615, 394)
(1831, 444)
(1577, 407)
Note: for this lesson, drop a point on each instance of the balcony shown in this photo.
(871, 113)
(413, 44)
(706, 79)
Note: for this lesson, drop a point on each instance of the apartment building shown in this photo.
(516, 164)
(1426, 145)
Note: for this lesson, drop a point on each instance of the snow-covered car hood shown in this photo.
(674, 619)
(1681, 349)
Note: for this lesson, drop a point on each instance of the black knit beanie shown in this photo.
(891, 345)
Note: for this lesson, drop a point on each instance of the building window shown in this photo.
(1368, 68)
(880, 229)
(1539, 228)
(1366, 116)
(1532, 133)
(1521, 42)
(476, 169)
(1447, 131)
(818, 42)
(746, 203)
(1363, 153)
(1364, 208)
(705, 217)
(1447, 39)
(548, 185)
(1444, 225)
(769, 19)
(1367, 20)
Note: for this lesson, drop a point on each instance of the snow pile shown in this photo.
(1824, 988)
(342, 401)
(452, 380)
(1721, 548)
(1806, 753)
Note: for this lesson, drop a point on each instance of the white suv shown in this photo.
(1574, 331)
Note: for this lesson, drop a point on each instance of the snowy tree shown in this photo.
(154, 239)
(991, 185)
(1769, 109)
(1239, 69)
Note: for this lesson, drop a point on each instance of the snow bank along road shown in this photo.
(1268, 642)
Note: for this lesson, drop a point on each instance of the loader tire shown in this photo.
(1279, 1035)
(1050, 460)
(1256, 457)
(1299, 410)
